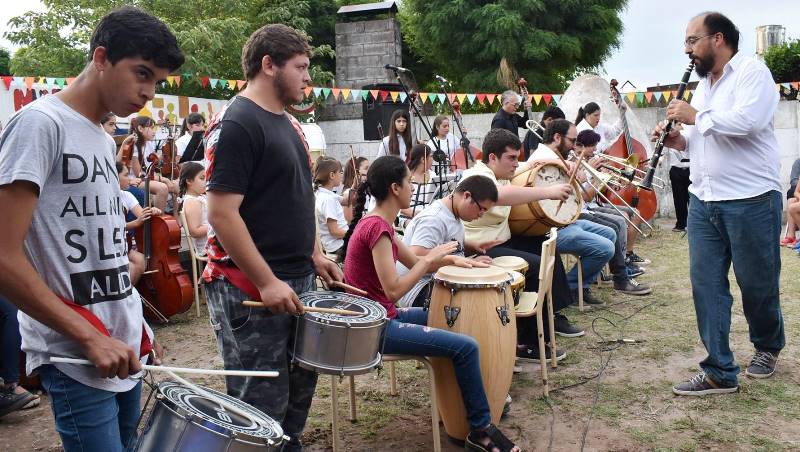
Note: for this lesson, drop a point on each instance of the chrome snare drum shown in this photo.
(183, 420)
(339, 344)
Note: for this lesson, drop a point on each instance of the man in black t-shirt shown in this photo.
(507, 117)
(263, 245)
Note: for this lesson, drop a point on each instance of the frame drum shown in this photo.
(537, 217)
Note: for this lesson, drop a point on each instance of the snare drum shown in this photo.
(183, 420)
(537, 217)
(476, 302)
(339, 344)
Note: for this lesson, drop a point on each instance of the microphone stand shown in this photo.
(426, 126)
(464, 140)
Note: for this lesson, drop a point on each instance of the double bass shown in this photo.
(625, 146)
(460, 155)
(164, 282)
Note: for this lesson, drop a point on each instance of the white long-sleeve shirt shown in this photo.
(608, 134)
(732, 146)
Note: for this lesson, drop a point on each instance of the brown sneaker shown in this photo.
(762, 365)
(701, 385)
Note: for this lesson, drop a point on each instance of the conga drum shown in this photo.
(476, 302)
(537, 217)
(518, 267)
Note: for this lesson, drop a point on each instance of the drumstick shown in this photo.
(182, 370)
(353, 289)
(258, 304)
(572, 174)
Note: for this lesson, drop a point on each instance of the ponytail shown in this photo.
(587, 109)
(323, 169)
(358, 213)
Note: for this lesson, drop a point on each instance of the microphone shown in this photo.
(441, 79)
(396, 68)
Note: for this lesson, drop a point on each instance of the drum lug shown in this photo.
(451, 314)
(502, 312)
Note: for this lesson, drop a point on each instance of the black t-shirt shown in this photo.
(260, 155)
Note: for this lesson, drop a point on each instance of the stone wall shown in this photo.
(341, 134)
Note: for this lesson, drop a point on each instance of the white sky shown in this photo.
(651, 50)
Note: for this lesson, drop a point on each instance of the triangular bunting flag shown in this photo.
(423, 97)
(345, 94)
(178, 80)
(213, 82)
(203, 82)
(786, 85)
(232, 84)
(667, 95)
(170, 80)
(403, 97)
(658, 96)
(631, 97)
(70, 80)
(796, 85)
(461, 98)
(395, 95)
(547, 98)
(441, 98)
(326, 92)
(307, 90)
(239, 84)
(383, 95)
(364, 94)
(52, 81)
(451, 97)
(356, 93)
(481, 98)
(61, 82)
(29, 82)
(490, 98)
(536, 99)
(335, 92)
(688, 93)
(556, 98)
(7, 79)
(42, 80)
(639, 97)
(19, 81)
(374, 93)
(674, 93)
(471, 98)
(317, 91)
(649, 96)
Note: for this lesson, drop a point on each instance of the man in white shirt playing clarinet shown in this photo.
(735, 201)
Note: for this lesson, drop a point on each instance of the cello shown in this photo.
(459, 155)
(625, 146)
(164, 282)
(169, 167)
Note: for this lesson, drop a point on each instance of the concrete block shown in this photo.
(369, 61)
(379, 48)
(786, 115)
(377, 25)
(349, 27)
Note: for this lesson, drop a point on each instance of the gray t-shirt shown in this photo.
(430, 228)
(76, 240)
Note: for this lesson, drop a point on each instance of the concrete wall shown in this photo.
(341, 134)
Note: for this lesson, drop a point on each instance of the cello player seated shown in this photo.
(131, 206)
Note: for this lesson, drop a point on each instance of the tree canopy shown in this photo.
(5, 61)
(784, 61)
(545, 41)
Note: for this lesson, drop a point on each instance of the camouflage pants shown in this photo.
(254, 339)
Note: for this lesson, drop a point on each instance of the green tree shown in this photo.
(211, 34)
(545, 41)
(5, 59)
(784, 61)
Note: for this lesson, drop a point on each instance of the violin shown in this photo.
(127, 152)
(164, 282)
(523, 91)
(625, 146)
(169, 167)
(460, 155)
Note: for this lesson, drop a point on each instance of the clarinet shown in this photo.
(647, 182)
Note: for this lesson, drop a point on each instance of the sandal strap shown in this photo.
(497, 438)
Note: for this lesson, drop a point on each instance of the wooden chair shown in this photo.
(196, 259)
(532, 303)
(391, 359)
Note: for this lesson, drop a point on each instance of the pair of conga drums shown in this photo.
(477, 302)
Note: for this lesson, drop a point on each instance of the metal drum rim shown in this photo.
(376, 314)
(327, 370)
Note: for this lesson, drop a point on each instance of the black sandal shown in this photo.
(496, 440)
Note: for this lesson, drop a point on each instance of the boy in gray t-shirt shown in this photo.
(441, 222)
(64, 258)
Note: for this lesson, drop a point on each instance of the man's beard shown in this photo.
(283, 89)
(564, 150)
(703, 66)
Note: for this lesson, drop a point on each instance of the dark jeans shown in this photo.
(530, 249)
(620, 227)
(255, 339)
(744, 232)
(89, 419)
(10, 348)
(679, 179)
(407, 334)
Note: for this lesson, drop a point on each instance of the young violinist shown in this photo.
(446, 141)
(355, 173)
(372, 253)
(63, 258)
(398, 141)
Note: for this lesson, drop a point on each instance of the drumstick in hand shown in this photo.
(353, 289)
(258, 304)
(572, 175)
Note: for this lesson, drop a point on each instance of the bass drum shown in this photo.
(537, 217)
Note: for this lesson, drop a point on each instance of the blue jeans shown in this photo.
(407, 334)
(89, 419)
(744, 232)
(594, 243)
(11, 340)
